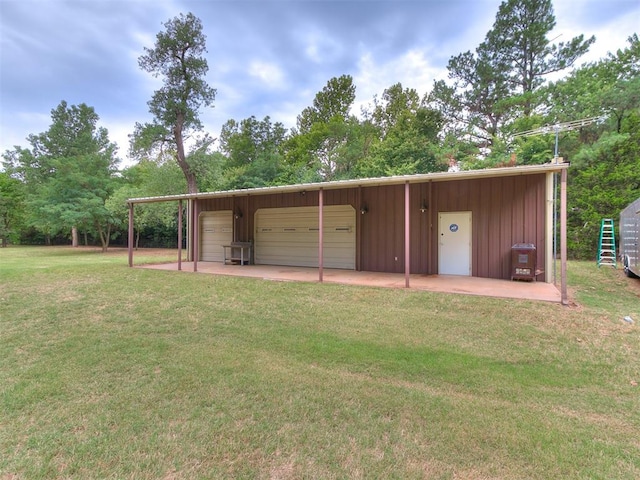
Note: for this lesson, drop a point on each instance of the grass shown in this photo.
(112, 372)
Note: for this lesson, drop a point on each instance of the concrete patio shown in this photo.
(487, 287)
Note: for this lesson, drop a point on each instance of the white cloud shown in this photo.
(119, 133)
(23, 124)
(268, 73)
(412, 70)
(610, 36)
(269, 59)
(320, 46)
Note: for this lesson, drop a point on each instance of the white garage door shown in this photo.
(289, 236)
(216, 229)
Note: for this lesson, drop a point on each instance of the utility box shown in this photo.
(523, 261)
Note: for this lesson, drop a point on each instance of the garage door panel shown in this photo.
(216, 229)
(289, 236)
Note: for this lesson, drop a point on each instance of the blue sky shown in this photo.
(266, 57)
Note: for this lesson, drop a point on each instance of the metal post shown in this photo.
(130, 236)
(563, 237)
(320, 235)
(359, 222)
(196, 229)
(407, 239)
(555, 226)
(234, 211)
(179, 234)
(429, 231)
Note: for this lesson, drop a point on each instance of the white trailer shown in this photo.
(630, 239)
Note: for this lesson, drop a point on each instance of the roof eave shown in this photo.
(364, 182)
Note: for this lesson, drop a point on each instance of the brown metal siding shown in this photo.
(420, 225)
(383, 229)
(505, 210)
(506, 226)
(248, 205)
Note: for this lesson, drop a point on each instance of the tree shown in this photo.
(395, 103)
(499, 82)
(410, 146)
(328, 141)
(68, 173)
(246, 141)
(481, 90)
(519, 45)
(253, 150)
(154, 223)
(407, 135)
(608, 86)
(11, 208)
(208, 166)
(604, 179)
(177, 57)
(335, 100)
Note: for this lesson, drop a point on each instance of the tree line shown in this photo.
(67, 182)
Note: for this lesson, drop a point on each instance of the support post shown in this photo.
(130, 236)
(563, 237)
(179, 234)
(234, 209)
(189, 230)
(320, 235)
(196, 231)
(359, 222)
(429, 232)
(550, 234)
(407, 239)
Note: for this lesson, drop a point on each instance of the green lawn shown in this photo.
(113, 372)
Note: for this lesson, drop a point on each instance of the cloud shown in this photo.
(611, 26)
(266, 57)
(269, 74)
(22, 125)
(412, 69)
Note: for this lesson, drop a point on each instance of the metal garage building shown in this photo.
(460, 223)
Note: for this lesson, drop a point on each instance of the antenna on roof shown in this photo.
(560, 127)
(557, 128)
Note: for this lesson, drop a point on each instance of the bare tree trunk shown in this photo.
(104, 236)
(108, 239)
(192, 186)
(74, 237)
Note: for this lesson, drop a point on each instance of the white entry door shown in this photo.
(454, 243)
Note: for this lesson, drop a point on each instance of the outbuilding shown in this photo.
(448, 223)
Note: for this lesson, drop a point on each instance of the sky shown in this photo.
(265, 57)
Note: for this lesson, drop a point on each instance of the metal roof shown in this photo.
(365, 182)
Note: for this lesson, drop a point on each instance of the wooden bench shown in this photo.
(237, 253)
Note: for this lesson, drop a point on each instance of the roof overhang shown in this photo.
(365, 182)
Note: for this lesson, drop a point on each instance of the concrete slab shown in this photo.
(487, 287)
